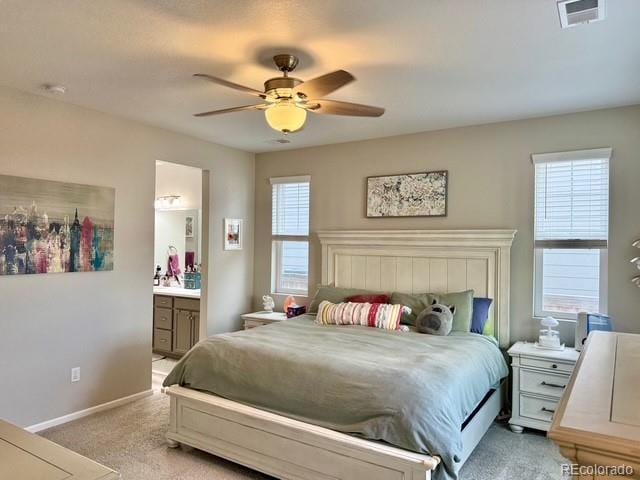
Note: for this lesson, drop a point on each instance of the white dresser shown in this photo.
(540, 377)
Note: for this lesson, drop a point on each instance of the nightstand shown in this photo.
(540, 377)
(258, 319)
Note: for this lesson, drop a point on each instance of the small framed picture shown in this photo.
(188, 227)
(233, 233)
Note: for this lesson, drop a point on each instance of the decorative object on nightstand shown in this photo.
(258, 319)
(540, 377)
(295, 310)
(549, 339)
(268, 303)
(289, 302)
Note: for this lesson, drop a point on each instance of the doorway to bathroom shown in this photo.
(179, 277)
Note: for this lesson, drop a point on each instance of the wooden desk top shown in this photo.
(25, 456)
(598, 419)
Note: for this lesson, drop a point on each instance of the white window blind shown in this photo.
(571, 231)
(290, 234)
(572, 199)
(290, 208)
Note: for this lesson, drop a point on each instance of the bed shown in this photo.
(268, 415)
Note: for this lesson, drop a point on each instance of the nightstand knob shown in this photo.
(554, 366)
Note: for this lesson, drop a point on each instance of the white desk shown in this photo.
(598, 421)
(26, 456)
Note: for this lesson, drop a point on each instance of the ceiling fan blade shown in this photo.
(325, 84)
(232, 109)
(333, 107)
(227, 83)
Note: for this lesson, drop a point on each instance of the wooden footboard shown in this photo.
(282, 447)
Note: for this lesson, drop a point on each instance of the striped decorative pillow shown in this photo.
(377, 315)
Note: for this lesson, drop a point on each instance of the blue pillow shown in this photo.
(480, 314)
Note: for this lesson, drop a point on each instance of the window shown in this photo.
(290, 235)
(571, 232)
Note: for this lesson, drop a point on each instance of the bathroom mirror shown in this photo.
(181, 229)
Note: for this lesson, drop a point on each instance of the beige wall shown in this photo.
(102, 321)
(491, 186)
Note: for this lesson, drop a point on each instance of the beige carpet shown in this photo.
(130, 439)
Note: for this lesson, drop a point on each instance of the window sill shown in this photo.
(560, 319)
(285, 295)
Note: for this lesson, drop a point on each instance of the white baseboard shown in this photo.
(88, 411)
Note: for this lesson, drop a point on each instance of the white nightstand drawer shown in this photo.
(533, 381)
(546, 364)
(537, 408)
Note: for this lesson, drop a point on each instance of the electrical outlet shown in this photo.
(75, 374)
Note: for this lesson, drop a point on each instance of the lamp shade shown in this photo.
(285, 117)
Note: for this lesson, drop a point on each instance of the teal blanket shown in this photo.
(408, 389)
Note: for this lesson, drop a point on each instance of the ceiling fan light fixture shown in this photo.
(285, 117)
(286, 99)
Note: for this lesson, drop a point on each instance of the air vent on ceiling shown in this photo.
(577, 12)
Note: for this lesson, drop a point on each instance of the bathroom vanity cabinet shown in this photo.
(176, 324)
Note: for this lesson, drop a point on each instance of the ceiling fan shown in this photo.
(286, 99)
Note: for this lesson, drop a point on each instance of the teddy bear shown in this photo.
(436, 319)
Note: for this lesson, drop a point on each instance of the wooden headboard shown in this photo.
(419, 261)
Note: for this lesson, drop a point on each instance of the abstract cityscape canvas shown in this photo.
(54, 227)
(408, 195)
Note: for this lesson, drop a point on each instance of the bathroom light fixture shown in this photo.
(168, 202)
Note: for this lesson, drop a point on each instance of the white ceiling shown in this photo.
(432, 63)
